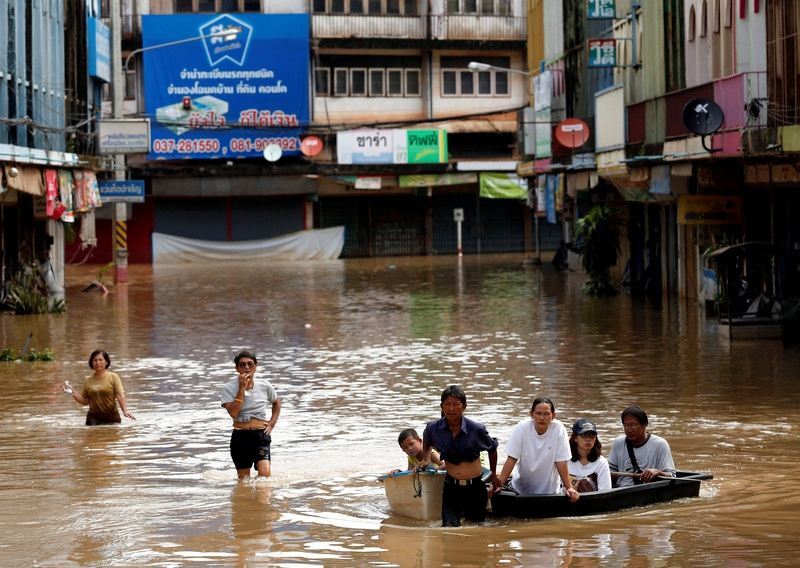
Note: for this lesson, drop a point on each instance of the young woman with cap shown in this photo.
(588, 468)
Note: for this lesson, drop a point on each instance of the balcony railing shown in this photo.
(498, 28)
(372, 26)
(439, 27)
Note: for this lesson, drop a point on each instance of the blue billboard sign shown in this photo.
(212, 96)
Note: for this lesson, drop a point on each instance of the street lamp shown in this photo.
(119, 212)
(483, 67)
(228, 34)
(478, 66)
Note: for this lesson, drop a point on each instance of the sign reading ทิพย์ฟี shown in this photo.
(225, 96)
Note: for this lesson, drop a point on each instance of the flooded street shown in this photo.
(359, 350)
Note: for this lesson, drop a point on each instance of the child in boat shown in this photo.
(411, 444)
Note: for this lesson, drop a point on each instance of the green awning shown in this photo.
(503, 186)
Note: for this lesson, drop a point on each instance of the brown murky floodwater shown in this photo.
(359, 350)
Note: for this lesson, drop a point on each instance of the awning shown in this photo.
(26, 180)
(503, 186)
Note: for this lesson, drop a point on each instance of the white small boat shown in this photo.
(415, 494)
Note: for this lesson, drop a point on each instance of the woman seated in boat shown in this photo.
(538, 451)
(587, 468)
(411, 444)
(639, 456)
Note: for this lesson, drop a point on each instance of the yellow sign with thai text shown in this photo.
(709, 210)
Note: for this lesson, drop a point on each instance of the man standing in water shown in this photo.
(641, 455)
(245, 398)
(460, 442)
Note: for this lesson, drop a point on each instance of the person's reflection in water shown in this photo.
(252, 516)
(580, 552)
(96, 455)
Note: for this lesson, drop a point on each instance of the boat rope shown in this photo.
(417, 483)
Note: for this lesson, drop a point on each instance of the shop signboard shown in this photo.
(98, 37)
(121, 191)
(602, 52)
(391, 146)
(123, 136)
(601, 9)
(231, 96)
(709, 210)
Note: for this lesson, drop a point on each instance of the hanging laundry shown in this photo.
(51, 191)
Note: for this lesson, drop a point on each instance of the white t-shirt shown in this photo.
(599, 468)
(536, 455)
(254, 403)
(654, 453)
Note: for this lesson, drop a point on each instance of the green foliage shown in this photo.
(598, 237)
(43, 355)
(8, 354)
(27, 294)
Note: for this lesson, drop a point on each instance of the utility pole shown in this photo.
(118, 90)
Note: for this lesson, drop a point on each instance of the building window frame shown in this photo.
(193, 6)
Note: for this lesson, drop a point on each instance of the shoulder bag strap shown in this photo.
(635, 465)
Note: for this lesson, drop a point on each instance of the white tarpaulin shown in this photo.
(314, 244)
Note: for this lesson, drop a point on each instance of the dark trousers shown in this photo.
(468, 501)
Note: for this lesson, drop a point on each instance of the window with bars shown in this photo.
(459, 81)
(783, 63)
(480, 7)
(216, 6)
(371, 7)
(368, 76)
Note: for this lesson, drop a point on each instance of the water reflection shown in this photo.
(359, 350)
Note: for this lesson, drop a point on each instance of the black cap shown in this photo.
(583, 426)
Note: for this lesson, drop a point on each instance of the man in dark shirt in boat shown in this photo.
(460, 442)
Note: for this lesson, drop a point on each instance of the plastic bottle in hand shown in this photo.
(67, 387)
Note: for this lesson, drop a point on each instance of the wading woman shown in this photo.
(101, 391)
(246, 398)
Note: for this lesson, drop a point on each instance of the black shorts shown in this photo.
(248, 447)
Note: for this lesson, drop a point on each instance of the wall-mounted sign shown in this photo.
(542, 90)
(709, 210)
(122, 191)
(225, 96)
(601, 9)
(123, 136)
(392, 146)
(544, 133)
(98, 36)
(602, 52)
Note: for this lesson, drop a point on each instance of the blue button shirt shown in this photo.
(467, 444)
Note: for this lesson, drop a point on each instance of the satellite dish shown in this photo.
(572, 133)
(311, 146)
(702, 116)
(272, 153)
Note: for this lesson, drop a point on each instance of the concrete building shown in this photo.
(49, 94)
(381, 68)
